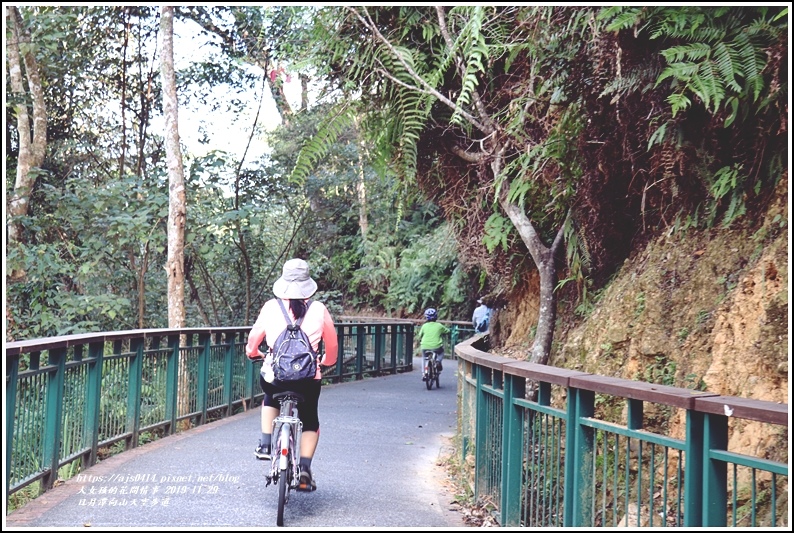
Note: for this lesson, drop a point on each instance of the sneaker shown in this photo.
(305, 481)
(440, 368)
(262, 452)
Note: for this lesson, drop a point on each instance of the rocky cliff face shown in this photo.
(706, 310)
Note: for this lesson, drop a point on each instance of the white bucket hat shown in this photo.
(295, 282)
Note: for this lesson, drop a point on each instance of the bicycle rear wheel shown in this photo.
(284, 473)
(431, 375)
(282, 497)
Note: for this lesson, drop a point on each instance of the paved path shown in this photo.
(376, 466)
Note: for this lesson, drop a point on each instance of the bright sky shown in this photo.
(227, 131)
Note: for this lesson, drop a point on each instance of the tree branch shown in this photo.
(471, 157)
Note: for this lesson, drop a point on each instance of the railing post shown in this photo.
(582, 461)
(693, 469)
(512, 446)
(12, 375)
(568, 463)
(409, 346)
(463, 409)
(378, 348)
(228, 370)
(93, 404)
(715, 472)
(205, 341)
(634, 419)
(135, 380)
(361, 332)
(481, 428)
(395, 334)
(53, 415)
(172, 383)
(453, 339)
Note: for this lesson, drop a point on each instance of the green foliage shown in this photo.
(23, 496)
(551, 81)
(471, 44)
(661, 371)
(578, 259)
(691, 381)
(728, 182)
(76, 281)
(318, 146)
(496, 232)
(640, 299)
(427, 276)
(716, 54)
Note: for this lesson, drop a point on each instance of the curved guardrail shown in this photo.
(553, 447)
(72, 400)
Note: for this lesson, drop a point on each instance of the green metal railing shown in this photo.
(459, 330)
(558, 448)
(372, 348)
(71, 399)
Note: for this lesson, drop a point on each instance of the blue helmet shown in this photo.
(431, 314)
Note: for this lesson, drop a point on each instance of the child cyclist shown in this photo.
(429, 338)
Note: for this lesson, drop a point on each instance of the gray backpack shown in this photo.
(293, 356)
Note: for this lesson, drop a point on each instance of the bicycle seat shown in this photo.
(288, 394)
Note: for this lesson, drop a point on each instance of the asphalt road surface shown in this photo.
(376, 466)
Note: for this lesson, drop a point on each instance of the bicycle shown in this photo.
(433, 368)
(284, 462)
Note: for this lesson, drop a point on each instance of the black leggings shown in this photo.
(308, 388)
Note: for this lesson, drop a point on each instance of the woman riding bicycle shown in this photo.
(294, 287)
(430, 338)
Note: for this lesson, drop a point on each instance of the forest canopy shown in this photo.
(435, 155)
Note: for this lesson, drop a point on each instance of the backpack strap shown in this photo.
(286, 316)
(284, 310)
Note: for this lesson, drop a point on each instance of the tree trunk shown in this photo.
(276, 83)
(175, 263)
(304, 92)
(195, 295)
(176, 181)
(544, 260)
(123, 101)
(32, 147)
(142, 286)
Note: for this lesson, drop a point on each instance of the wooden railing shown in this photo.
(559, 448)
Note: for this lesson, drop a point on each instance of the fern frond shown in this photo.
(752, 61)
(688, 52)
(318, 145)
(678, 102)
(622, 18)
(624, 85)
(658, 136)
(679, 71)
(727, 63)
(470, 44)
(708, 86)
